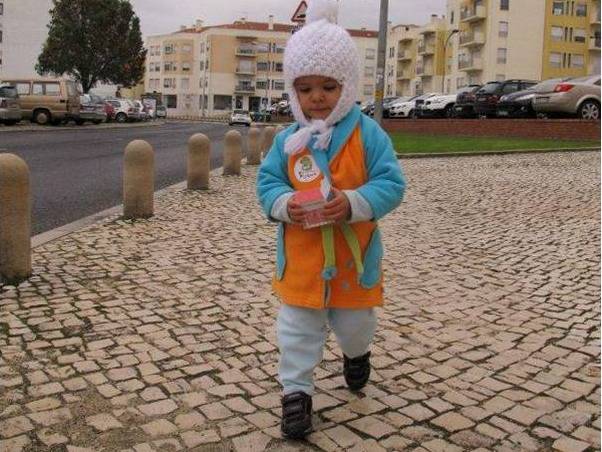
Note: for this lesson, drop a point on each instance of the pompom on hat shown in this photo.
(322, 48)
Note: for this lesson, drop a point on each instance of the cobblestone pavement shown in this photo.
(159, 334)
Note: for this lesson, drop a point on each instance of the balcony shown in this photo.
(474, 14)
(245, 71)
(470, 64)
(594, 43)
(595, 17)
(406, 39)
(246, 52)
(404, 55)
(472, 39)
(244, 89)
(426, 48)
(404, 75)
(420, 70)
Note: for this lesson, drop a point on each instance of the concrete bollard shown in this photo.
(232, 153)
(199, 154)
(15, 219)
(138, 180)
(267, 138)
(254, 146)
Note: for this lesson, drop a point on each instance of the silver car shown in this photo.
(10, 109)
(240, 117)
(575, 96)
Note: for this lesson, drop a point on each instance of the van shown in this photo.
(10, 110)
(47, 100)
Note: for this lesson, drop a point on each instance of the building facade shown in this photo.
(23, 32)
(210, 70)
(485, 40)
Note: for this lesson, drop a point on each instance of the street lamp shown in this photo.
(451, 33)
(380, 61)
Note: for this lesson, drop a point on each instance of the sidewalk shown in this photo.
(159, 334)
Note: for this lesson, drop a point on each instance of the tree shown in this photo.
(94, 41)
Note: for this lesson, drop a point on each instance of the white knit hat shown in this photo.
(323, 48)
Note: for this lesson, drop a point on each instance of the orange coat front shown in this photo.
(301, 283)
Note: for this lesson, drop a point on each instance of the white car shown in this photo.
(124, 109)
(441, 106)
(240, 117)
(407, 109)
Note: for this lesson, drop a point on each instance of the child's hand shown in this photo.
(295, 211)
(338, 209)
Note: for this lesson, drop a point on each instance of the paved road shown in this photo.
(159, 335)
(76, 173)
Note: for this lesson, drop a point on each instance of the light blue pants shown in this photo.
(302, 334)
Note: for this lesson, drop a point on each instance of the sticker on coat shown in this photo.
(306, 169)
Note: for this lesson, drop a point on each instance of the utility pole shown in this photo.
(380, 61)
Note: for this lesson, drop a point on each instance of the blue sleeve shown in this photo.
(272, 178)
(386, 182)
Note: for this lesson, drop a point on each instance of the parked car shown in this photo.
(161, 111)
(367, 107)
(407, 108)
(10, 108)
(520, 103)
(464, 106)
(441, 106)
(489, 95)
(387, 102)
(124, 109)
(47, 100)
(92, 108)
(240, 117)
(576, 96)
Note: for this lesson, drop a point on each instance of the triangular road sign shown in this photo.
(299, 15)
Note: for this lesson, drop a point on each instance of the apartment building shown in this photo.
(209, 70)
(22, 35)
(484, 40)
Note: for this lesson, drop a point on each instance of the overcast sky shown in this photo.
(166, 16)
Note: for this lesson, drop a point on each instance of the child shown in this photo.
(327, 275)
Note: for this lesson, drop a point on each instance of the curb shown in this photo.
(61, 231)
(485, 153)
(95, 127)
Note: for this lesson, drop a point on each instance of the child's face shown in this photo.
(317, 95)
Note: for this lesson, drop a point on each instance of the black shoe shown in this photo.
(356, 371)
(296, 415)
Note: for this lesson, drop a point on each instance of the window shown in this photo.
(579, 35)
(581, 10)
(369, 71)
(1, 8)
(278, 48)
(370, 54)
(460, 82)
(171, 101)
(391, 52)
(510, 88)
(503, 33)
(555, 59)
(0, 35)
(577, 60)
(169, 48)
(222, 102)
(278, 85)
(368, 90)
(262, 47)
(504, 5)
(262, 84)
(52, 89)
(38, 89)
(23, 89)
(502, 55)
(278, 67)
(451, 17)
(185, 84)
(557, 34)
(558, 8)
(169, 83)
(262, 66)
